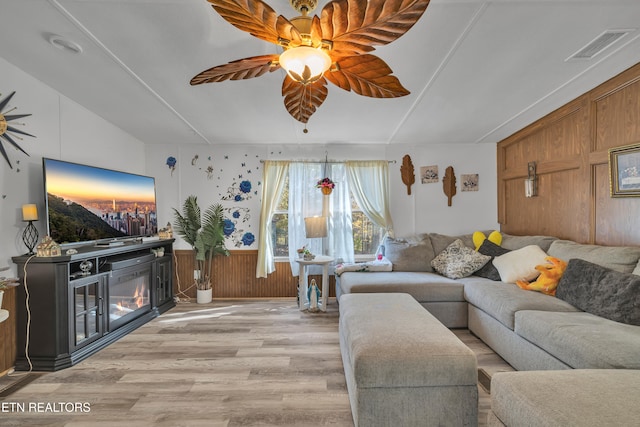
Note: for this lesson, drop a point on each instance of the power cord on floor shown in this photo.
(177, 297)
(26, 300)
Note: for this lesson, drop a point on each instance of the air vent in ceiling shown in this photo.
(600, 43)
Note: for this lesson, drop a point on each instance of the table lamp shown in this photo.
(30, 233)
(315, 227)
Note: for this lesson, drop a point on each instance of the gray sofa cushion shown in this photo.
(582, 340)
(502, 300)
(620, 258)
(424, 287)
(585, 398)
(512, 242)
(409, 254)
(601, 291)
(439, 242)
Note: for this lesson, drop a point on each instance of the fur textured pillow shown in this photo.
(601, 291)
(458, 261)
(489, 271)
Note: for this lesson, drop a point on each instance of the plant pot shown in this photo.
(326, 190)
(1, 295)
(204, 296)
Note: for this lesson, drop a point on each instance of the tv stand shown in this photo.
(82, 302)
(110, 244)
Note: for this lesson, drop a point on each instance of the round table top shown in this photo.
(319, 259)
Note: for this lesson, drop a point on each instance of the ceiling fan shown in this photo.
(335, 46)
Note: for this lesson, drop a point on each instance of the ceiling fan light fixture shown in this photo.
(305, 64)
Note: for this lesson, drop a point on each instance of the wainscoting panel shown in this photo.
(235, 277)
(8, 332)
(570, 147)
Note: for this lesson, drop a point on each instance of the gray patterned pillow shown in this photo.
(458, 261)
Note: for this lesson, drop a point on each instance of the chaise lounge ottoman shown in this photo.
(402, 366)
(580, 398)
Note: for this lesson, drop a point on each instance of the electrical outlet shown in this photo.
(196, 274)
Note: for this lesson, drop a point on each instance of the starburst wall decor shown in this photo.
(7, 131)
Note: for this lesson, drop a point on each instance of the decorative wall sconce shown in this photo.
(531, 183)
(30, 233)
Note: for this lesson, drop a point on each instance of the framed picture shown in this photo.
(624, 170)
(428, 174)
(469, 182)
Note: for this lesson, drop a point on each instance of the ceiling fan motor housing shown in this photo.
(303, 6)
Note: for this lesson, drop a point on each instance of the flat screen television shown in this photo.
(91, 204)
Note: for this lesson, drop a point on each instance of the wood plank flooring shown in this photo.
(228, 363)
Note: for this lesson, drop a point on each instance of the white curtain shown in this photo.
(369, 183)
(306, 200)
(273, 180)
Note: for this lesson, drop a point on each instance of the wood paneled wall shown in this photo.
(570, 147)
(8, 332)
(235, 277)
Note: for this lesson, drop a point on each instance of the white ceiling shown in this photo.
(478, 71)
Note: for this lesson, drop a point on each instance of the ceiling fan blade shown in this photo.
(366, 75)
(355, 26)
(301, 101)
(256, 18)
(242, 69)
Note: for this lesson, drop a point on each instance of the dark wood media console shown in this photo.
(82, 302)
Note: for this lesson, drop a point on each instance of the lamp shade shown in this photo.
(315, 226)
(297, 59)
(29, 212)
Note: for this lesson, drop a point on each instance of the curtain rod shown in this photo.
(325, 161)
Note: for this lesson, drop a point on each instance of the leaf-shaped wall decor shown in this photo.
(408, 173)
(449, 184)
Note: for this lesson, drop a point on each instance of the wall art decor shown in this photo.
(171, 163)
(408, 173)
(469, 182)
(624, 170)
(449, 184)
(429, 174)
(8, 131)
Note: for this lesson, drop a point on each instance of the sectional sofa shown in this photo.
(591, 325)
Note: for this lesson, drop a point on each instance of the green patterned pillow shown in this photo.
(458, 261)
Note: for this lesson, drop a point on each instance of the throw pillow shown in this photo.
(479, 237)
(601, 291)
(550, 274)
(489, 271)
(409, 254)
(520, 264)
(458, 261)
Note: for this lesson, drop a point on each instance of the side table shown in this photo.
(324, 261)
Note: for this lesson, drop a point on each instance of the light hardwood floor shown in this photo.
(228, 363)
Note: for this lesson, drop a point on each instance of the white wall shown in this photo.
(425, 210)
(63, 130)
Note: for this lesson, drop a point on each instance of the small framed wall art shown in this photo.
(624, 170)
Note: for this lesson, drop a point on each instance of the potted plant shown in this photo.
(326, 185)
(206, 236)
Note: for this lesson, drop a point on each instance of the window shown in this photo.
(280, 223)
(366, 235)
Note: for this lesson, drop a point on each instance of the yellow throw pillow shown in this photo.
(479, 237)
